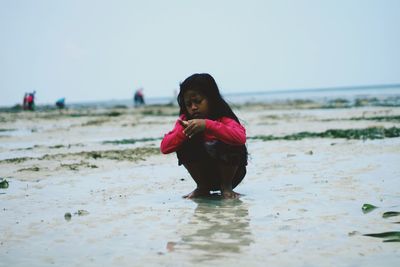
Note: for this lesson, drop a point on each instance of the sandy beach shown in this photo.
(89, 187)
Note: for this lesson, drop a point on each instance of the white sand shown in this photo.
(299, 208)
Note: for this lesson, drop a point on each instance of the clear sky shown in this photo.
(88, 50)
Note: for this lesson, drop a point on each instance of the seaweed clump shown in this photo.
(3, 183)
(133, 154)
(130, 141)
(378, 118)
(363, 134)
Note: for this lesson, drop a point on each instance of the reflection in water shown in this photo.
(217, 228)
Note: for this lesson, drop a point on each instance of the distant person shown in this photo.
(25, 102)
(60, 103)
(208, 138)
(30, 101)
(138, 98)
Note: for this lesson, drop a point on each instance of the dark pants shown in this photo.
(211, 156)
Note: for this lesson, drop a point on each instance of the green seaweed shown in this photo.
(378, 118)
(368, 208)
(13, 109)
(78, 115)
(120, 107)
(56, 146)
(95, 122)
(130, 141)
(394, 118)
(67, 216)
(390, 214)
(337, 103)
(82, 213)
(4, 184)
(94, 154)
(33, 169)
(75, 166)
(72, 167)
(390, 236)
(152, 112)
(158, 112)
(392, 240)
(385, 234)
(125, 154)
(363, 134)
(361, 102)
(114, 114)
(131, 154)
(16, 160)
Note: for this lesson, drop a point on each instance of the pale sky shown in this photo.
(87, 50)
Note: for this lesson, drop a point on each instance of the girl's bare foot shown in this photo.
(230, 194)
(198, 192)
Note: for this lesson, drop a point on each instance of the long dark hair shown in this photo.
(204, 84)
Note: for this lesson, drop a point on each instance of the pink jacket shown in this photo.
(223, 129)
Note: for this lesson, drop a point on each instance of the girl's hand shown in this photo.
(183, 123)
(193, 127)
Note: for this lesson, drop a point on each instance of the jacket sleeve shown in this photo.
(174, 139)
(227, 130)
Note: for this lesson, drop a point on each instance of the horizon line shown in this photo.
(273, 91)
(338, 88)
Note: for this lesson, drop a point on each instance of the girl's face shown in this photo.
(196, 104)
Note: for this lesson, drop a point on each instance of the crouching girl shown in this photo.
(207, 138)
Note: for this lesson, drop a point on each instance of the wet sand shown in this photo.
(301, 203)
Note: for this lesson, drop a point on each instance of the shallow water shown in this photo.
(301, 203)
(302, 217)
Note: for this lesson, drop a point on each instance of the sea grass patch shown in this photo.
(95, 122)
(130, 141)
(366, 208)
(358, 134)
(3, 183)
(31, 169)
(389, 214)
(77, 166)
(132, 154)
(121, 155)
(393, 236)
(378, 118)
(16, 160)
(56, 146)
